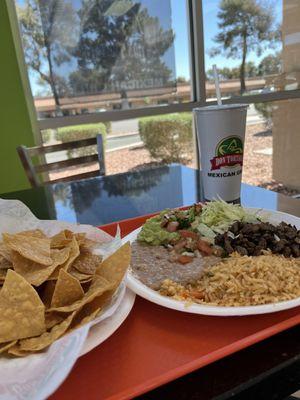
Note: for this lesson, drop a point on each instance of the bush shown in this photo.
(78, 132)
(168, 138)
(107, 126)
(46, 133)
(265, 110)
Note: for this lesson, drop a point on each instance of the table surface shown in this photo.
(102, 200)
(270, 369)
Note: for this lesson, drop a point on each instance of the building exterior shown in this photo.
(286, 113)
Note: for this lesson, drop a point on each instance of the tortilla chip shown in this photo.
(47, 338)
(5, 251)
(46, 293)
(4, 263)
(6, 346)
(87, 263)
(30, 247)
(53, 318)
(36, 273)
(92, 309)
(22, 313)
(35, 233)
(84, 318)
(60, 240)
(67, 290)
(87, 245)
(115, 266)
(3, 273)
(74, 253)
(80, 237)
(16, 351)
(78, 275)
(98, 287)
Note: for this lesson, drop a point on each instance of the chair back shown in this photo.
(35, 172)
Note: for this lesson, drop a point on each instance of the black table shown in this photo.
(102, 200)
(268, 370)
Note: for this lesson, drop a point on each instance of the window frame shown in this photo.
(198, 87)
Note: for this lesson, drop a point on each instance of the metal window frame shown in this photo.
(198, 87)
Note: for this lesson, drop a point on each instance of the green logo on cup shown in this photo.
(230, 145)
(229, 152)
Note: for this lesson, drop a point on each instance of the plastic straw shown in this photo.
(217, 85)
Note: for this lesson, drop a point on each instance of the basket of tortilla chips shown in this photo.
(55, 277)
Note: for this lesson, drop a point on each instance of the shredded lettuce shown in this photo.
(217, 216)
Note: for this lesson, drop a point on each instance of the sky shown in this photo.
(179, 55)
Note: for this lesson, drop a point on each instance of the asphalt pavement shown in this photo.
(120, 130)
(125, 134)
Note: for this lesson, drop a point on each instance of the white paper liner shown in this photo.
(36, 376)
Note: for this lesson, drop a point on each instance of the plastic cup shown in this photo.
(221, 134)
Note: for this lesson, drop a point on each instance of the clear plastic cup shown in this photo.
(221, 134)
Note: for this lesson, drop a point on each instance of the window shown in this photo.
(92, 61)
(261, 55)
(85, 56)
(129, 145)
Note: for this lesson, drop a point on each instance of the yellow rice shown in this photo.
(242, 281)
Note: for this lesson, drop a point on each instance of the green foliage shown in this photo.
(234, 73)
(265, 110)
(118, 45)
(245, 26)
(270, 64)
(46, 134)
(107, 126)
(182, 79)
(77, 132)
(47, 28)
(168, 138)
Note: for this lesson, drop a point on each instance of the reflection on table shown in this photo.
(102, 200)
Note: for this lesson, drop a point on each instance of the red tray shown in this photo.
(156, 345)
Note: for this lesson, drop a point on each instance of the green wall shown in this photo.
(16, 123)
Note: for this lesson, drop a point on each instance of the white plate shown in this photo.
(103, 330)
(144, 291)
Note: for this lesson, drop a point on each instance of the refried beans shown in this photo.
(151, 265)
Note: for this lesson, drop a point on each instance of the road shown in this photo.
(131, 126)
(125, 133)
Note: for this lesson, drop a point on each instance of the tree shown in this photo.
(48, 36)
(234, 73)
(245, 25)
(182, 79)
(271, 64)
(117, 49)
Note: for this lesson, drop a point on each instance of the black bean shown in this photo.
(290, 235)
(219, 239)
(247, 229)
(262, 243)
(287, 251)
(235, 227)
(295, 250)
(251, 239)
(257, 251)
(242, 250)
(228, 248)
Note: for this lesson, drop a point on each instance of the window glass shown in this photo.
(87, 56)
(129, 145)
(255, 45)
(271, 155)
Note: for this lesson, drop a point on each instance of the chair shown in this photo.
(35, 172)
